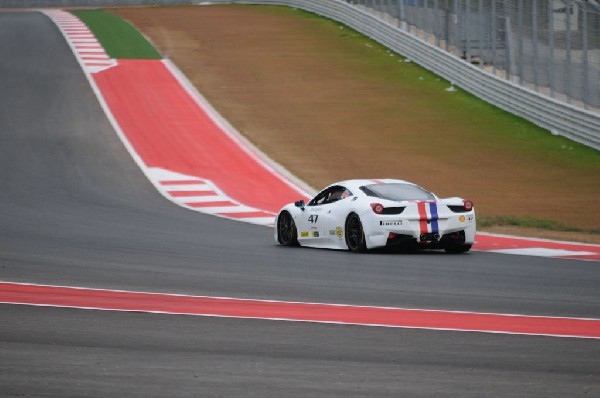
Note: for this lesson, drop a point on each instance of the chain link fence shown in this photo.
(550, 46)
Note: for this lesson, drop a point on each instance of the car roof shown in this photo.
(356, 184)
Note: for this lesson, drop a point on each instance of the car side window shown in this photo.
(330, 195)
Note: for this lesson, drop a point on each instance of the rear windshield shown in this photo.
(397, 192)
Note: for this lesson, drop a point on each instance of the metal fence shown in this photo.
(499, 50)
(550, 46)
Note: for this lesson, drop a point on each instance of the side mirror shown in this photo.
(299, 204)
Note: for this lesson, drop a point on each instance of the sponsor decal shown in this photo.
(304, 234)
(391, 223)
(461, 218)
(339, 232)
(331, 232)
(315, 234)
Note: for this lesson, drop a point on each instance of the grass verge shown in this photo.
(530, 222)
(118, 37)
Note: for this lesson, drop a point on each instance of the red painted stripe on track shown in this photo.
(493, 242)
(97, 64)
(223, 203)
(328, 313)
(485, 242)
(168, 129)
(250, 214)
(184, 194)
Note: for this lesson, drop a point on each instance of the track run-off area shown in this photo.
(82, 229)
(197, 160)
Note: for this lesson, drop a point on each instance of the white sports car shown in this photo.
(357, 215)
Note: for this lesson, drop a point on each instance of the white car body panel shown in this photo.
(323, 225)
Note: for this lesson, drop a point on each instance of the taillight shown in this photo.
(377, 208)
(468, 205)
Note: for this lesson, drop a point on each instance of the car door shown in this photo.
(320, 218)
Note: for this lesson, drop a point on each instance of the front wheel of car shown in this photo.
(287, 234)
(355, 235)
(457, 249)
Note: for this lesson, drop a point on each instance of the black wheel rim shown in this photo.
(354, 232)
(286, 228)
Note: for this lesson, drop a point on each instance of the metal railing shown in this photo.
(551, 46)
(541, 65)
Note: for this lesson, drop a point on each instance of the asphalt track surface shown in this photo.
(76, 211)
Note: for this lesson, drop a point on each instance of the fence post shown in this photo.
(493, 35)
(534, 39)
(586, 72)
(508, 41)
(551, 81)
(520, 38)
(401, 15)
(569, 8)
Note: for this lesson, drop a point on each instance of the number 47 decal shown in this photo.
(313, 218)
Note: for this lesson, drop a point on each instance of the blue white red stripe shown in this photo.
(428, 217)
(434, 218)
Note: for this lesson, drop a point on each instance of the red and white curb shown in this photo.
(191, 192)
(226, 307)
(203, 195)
(505, 244)
(85, 46)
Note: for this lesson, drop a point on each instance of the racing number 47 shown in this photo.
(313, 218)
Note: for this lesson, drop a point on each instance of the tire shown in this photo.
(287, 234)
(458, 249)
(355, 235)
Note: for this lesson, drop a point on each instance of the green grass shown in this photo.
(119, 38)
(502, 129)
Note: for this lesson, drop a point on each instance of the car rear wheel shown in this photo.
(287, 234)
(355, 235)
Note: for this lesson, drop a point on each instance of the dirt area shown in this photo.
(309, 94)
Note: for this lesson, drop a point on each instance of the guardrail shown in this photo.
(558, 117)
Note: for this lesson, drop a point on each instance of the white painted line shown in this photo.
(93, 52)
(190, 200)
(268, 221)
(186, 187)
(225, 209)
(542, 252)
